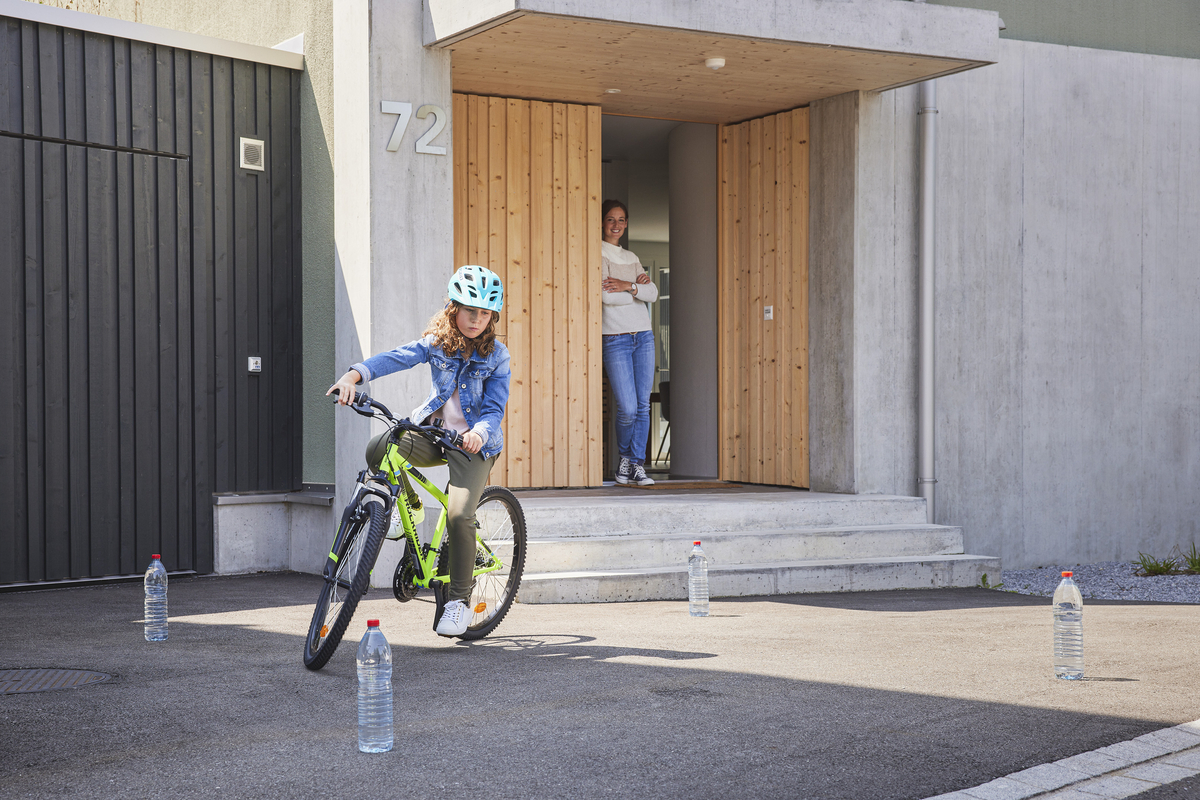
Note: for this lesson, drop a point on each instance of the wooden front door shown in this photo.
(763, 269)
(527, 206)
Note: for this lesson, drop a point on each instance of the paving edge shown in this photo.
(1124, 769)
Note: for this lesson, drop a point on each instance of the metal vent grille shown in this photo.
(18, 681)
(253, 154)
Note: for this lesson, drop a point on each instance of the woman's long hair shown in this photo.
(447, 336)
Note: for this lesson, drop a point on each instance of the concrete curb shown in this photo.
(1123, 769)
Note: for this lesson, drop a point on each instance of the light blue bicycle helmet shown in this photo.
(477, 287)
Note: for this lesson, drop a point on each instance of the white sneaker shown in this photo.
(624, 471)
(640, 477)
(454, 619)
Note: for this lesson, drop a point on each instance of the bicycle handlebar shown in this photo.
(362, 403)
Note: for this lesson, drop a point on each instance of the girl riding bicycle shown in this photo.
(470, 391)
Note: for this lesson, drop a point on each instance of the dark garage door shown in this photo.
(144, 267)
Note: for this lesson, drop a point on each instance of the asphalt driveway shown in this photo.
(880, 695)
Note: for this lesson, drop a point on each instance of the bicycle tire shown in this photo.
(355, 560)
(502, 527)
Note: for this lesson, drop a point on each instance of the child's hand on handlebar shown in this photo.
(472, 442)
(346, 387)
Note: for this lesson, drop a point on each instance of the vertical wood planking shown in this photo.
(595, 471)
(561, 269)
(55, 354)
(145, 353)
(497, 229)
(763, 252)
(280, 447)
(800, 238)
(11, 84)
(541, 294)
(517, 437)
(459, 121)
(578, 233)
(76, 362)
(203, 244)
(33, 390)
(109, 435)
(244, 274)
(527, 186)
(223, 334)
(12, 335)
(787, 323)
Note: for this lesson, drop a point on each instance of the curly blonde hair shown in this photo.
(447, 336)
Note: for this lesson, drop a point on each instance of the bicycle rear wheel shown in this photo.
(355, 556)
(502, 535)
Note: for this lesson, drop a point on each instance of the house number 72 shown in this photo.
(404, 110)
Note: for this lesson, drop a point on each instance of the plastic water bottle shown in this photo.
(697, 582)
(155, 609)
(375, 730)
(1068, 630)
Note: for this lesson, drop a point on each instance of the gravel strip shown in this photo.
(1108, 580)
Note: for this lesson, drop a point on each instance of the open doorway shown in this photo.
(669, 186)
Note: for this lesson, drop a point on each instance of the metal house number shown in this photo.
(404, 110)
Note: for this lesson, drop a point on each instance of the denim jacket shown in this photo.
(482, 383)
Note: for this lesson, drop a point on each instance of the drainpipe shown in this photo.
(927, 115)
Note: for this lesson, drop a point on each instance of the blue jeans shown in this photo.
(629, 363)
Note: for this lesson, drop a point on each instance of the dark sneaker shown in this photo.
(640, 477)
(624, 472)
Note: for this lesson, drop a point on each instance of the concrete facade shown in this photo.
(1068, 278)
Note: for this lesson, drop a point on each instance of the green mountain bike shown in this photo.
(385, 496)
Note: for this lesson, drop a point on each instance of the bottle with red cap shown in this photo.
(697, 582)
(1068, 630)
(155, 609)
(375, 731)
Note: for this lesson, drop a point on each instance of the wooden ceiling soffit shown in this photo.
(661, 73)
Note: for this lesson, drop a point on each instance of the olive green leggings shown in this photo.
(467, 480)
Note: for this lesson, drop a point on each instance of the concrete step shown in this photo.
(548, 516)
(671, 548)
(740, 580)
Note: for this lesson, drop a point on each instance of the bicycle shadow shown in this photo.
(574, 647)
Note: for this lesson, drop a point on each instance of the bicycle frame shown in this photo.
(394, 469)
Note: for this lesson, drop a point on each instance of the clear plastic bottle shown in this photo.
(375, 730)
(697, 582)
(155, 608)
(1068, 630)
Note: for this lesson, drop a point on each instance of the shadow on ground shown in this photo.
(604, 700)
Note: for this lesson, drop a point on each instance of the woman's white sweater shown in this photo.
(624, 312)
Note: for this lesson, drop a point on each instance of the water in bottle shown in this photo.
(1068, 630)
(155, 609)
(697, 582)
(375, 731)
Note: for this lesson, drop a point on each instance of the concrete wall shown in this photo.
(862, 296)
(693, 218)
(1068, 278)
(411, 224)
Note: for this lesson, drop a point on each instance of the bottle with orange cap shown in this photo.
(1068, 630)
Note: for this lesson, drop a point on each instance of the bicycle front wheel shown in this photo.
(355, 556)
(501, 538)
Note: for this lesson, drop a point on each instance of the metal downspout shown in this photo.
(926, 475)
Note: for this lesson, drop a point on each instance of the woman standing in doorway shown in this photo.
(628, 342)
